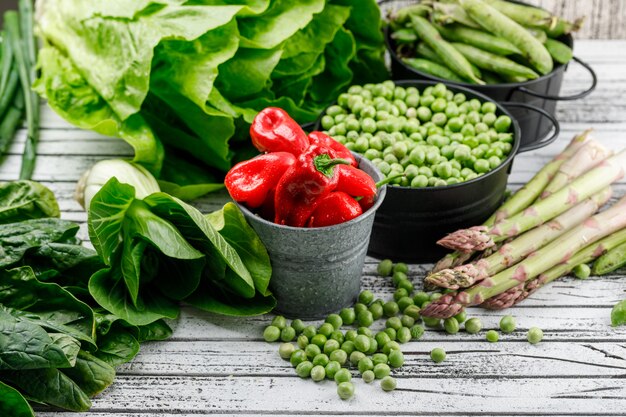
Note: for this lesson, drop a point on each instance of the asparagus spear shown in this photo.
(587, 157)
(482, 237)
(556, 252)
(510, 253)
(585, 255)
(521, 199)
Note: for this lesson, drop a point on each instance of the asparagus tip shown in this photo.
(468, 240)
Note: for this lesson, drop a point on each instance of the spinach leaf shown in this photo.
(214, 300)
(21, 200)
(91, 374)
(158, 330)
(118, 346)
(24, 345)
(45, 304)
(618, 314)
(17, 238)
(232, 225)
(12, 403)
(48, 386)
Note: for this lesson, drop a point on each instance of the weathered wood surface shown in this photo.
(217, 365)
(604, 19)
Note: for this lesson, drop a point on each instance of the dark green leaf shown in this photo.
(232, 225)
(17, 238)
(618, 314)
(118, 346)
(91, 374)
(24, 345)
(12, 403)
(214, 301)
(159, 330)
(21, 200)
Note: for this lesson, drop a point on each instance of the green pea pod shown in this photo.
(432, 68)
(491, 78)
(450, 56)
(403, 15)
(404, 35)
(513, 78)
(539, 34)
(478, 38)
(493, 62)
(610, 261)
(425, 52)
(447, 13)
(560, 52)
(500, 25)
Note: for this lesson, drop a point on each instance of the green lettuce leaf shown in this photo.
(12, 403)
(21, 200)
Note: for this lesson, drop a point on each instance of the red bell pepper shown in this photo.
(320, 138)
(337, 207)
(251, 181)
(305, 185)
(355, 182)
(273, 130)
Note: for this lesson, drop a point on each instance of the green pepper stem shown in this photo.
(388, 180)
(324, 163)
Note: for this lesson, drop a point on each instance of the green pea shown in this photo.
(365, 318)
(494, 151)
(302, 341)
(423, 113)
(461, 317)
(459, 98)
(362, 343)
(312, 350)
(320, 359)
(404, 302)
(355, 357)
(384, 167)
(404, 335)
(399, 293)
(286, 350)
(326, 329)
(318, 340)
(280, 322)
(342, 376)
(359, 308)
(271, 333)
(417, 332)
(347, 316)
(473, 325)
(364, 331)
(438, 355)
(411, 171)
(396, 358)
(400, 149)
(468, 130)
(361, 144)
(368, 376)
(412, 311)
(390, 346)
(287, 334)
(334, 110)
(407, 321)
(534, 335)
(391, 333)
(376, 310)
(492, 336)
(419, 181)
(373, 346)
(331, 369)
(348, 346)
(303, 369)
(488, 107)
(507, 324)
(327, 122)
(331, 345)
(444, 170)
(365, 364)
(385, 267)
(420, 297)
(298, 356)
(345, 390)
(338, 356)
(451, 325)
(407, 285)
(351, 335)
(489, 119)
(382, 338)
(502, 123)
(425, 171)
(482, 166)
(582, 271)
(394, 323)
(309, 331)
(494, 162)
(366, 297)
(417, 156)
(452, 110)
(431, 322)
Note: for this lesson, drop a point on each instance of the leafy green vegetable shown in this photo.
(12, 403)
(91, 374)
(618, 314)
(160, 250)
(181, 81)
(21, 200)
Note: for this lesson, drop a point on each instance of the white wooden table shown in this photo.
(217, 365)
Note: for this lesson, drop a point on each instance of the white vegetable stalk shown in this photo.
(126, 172)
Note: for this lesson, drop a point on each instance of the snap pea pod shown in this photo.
(539, 34)
(610, 261)
(432, 68)
(446, 13)
(493, 62)
(423, 50)
(453, 59)
(513, 78)
(560, 52)
(404, 35)
(402, 16)
(536, 17)
(504, 27)
(478, 38)
(491, 78)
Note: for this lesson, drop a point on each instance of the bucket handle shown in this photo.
(594, 82)
(543, 141)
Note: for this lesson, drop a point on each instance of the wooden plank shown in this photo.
(414, 396)
(558, 323)
(479, 359)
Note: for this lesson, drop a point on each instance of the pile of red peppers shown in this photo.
(299, 180)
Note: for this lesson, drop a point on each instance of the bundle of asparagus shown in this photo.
(540, 234)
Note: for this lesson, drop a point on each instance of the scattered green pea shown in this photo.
(280, 322)
(377, 310)
(366, 297)
(451, 325)
(345, 390)
(396, 358)
(319, 340)
(309, 331)
(420, 298)
(287, 334)
(461, 317)
(297, 357)
(438, 355)
(365, 318)
(417, 332)
(390, 346)
(535, 334)
(388, 383)
(368, 376)
(326, 330)
(331, 369)
(431, 322)
(492, 336)
(365, 364)
(407, 321)
(412, 311)
(271, 334)
(340, 356)
(362, 343)
(303, 370)
(507, 324)
(343, 375)
(582, 271)
(473, 325)
(285, 350)
(404, 335)
(385, 267)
